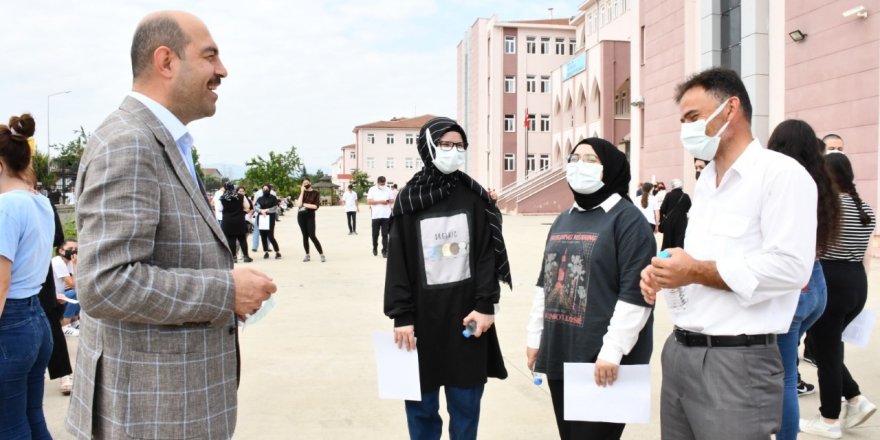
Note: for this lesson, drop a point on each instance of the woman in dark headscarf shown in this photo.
(233, 224)
(588, 307)
(446, 257)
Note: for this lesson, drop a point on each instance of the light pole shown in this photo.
(48, 132)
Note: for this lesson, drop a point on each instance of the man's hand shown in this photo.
(484, 322)
(674, 271)
(649, 285)
(405, 337)
(252, 287)
(605, 373)
(531, 357)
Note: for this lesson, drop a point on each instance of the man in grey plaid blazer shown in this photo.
(158, 343)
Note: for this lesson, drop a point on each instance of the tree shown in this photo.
(279, 169)
(360, 181)
(40, 164)
(69, 157)
(197, 165)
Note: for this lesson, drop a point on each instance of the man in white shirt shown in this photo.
(349, 197)
(380, 199)
(749, 249)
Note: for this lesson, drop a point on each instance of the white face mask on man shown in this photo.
(584, 178)
(697, 142)
(445, 161)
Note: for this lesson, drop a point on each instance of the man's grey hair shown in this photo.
(676, 183)
(152, 33)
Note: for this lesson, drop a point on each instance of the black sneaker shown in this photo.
(384, 254)
(277, 255)
(248, 259)
(375, 252)
(265, 255)
(805, 389)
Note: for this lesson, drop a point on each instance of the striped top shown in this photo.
(852, 242)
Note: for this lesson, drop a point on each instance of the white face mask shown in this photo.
(695, 140)
(584, 178)
(445, 161)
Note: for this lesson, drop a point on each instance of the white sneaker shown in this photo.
(70, 331)
(857, 413)
(817, 426)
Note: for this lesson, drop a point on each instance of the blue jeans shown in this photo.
(70, 309)
(810, 307)
(463, 405)
(25, 348)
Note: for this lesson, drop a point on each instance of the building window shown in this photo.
(509, 160)
(621, 103)
(389, 138)
(530, 83)
(509, 44)
(545, 45)
(545, 122)
(408, 163)
(509, 84)
(545, 84)
(531, 119)
(419, 164)
(591, 24)
(642, 46)
(409, 139)
(731, 34)
(509, 124)
(560, 46)
(530, 45)
(371, 139)
(530, 163)
(572, 44)
(545, 162)
(389, 162)
(351, 155)
(371, 162)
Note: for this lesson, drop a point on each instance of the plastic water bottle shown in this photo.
(675, 297)
(470, 329)
(537, 378)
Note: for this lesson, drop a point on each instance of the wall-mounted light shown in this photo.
(797, 36)
(858, 11)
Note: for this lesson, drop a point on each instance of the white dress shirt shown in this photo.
(759, 227)
(623, 329)
(380, 193)
(178, 131)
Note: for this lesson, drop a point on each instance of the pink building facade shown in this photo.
(385, 148)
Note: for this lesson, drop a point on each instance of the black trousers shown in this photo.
(673, 234)
(306, 220)
(380, 224)
(569, 430)
(234, 241)
(351, 216)
(847, 293)
(269, 236)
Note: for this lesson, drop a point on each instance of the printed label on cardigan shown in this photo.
(567, 276)
(446, 249)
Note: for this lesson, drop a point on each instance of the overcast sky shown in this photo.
(300, 73)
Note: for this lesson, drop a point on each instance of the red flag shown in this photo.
(526, 122)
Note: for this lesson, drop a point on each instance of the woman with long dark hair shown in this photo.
(842, 261)
(233, 223)
(25, 252)
(268, 203)
(308, 202)
(795, 138)
(649, 207)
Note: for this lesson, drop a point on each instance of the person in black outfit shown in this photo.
(308, 202)
(268, 212)
(54, 195)
(233, 224)
(673, 216)
(59, 362)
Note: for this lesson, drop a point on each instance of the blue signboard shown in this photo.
(574, 66)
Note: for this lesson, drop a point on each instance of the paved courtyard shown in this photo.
(308, 367)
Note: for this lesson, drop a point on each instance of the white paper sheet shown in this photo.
(858, 332)
(265, 223)
(66, 299)
(627, 401)
(398, 369)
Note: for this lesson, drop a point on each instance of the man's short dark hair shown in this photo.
(150, 35)
(831, 136)
(721, 83)
(381, 179)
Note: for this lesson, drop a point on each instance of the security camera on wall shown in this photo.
(859, 11)
(637, 101)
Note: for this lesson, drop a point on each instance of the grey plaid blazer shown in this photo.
(157, 349)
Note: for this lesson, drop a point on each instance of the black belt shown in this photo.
(694, 339)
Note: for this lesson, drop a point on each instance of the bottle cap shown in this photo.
(537, 380)
(664, 254)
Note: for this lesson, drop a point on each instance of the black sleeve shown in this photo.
(59, 229)
(488, 291)
(635, 248)
(399, 302)
(664, 207)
